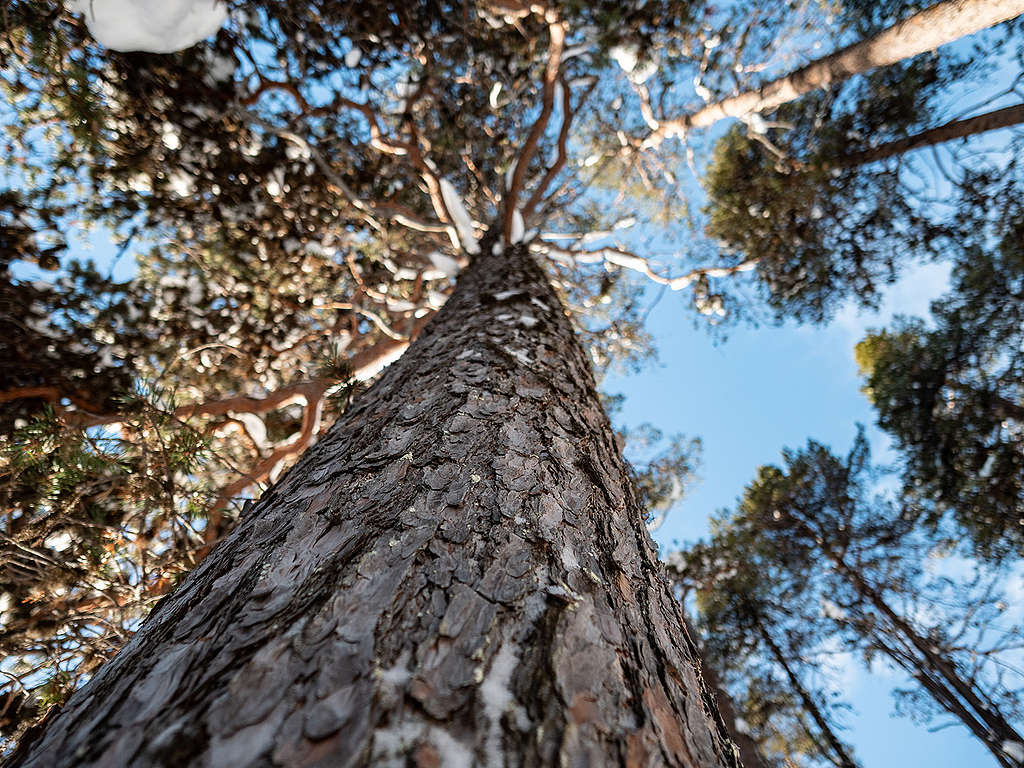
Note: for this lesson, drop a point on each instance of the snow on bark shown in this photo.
(1015, 750)
(457, 574)
(156, 26)
(510, 173)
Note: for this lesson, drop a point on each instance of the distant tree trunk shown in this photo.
(457, 574)
(956, 129)
(840, 756)
(940, 691)
(940, 677)
(924, 31)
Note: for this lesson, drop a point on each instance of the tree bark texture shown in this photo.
(457, 574)
(748, 750)
(925, 31)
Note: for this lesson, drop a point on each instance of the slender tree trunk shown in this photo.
(941, 668)
(457, 574)
(957, 129)
(924, 31)
(943, 695)
(810, 705)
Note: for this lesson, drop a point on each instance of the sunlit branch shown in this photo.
(556, 32)
(628, 260)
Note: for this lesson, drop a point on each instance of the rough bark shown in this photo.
(749, 752)
(457, 574)
(924, 31)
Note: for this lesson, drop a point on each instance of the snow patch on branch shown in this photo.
(155, 26)
(510, 173)
(446, 265)
(576, 50)
(832, 611)
(628, 58)
(466, 239)
(626, 260)
(255, 427)
(755, 122)
(518, 228)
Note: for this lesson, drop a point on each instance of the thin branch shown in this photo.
(556, 31)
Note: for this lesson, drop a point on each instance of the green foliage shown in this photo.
(952, 396)
(274, 197)
(55, 690)
(262, 184)
(812, 559)
(822, 230)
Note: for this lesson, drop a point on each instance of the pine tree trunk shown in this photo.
(944, 696)
(840, 755)
(457, 574)
(940, 668)
(925, 31)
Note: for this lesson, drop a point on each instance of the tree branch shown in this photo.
(557, 34)
(925, 31)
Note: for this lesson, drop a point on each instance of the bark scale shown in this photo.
(457, 574)
(749, 752)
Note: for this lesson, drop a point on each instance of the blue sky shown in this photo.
(748, 397)
(772, 387)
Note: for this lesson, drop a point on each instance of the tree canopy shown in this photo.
(299, 190)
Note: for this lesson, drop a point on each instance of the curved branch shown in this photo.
(628, 260)
(557, 33)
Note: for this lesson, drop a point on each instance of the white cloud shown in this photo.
(911, 295)
(156, 26)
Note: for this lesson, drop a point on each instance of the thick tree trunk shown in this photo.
(457, 574)
(924, 31)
